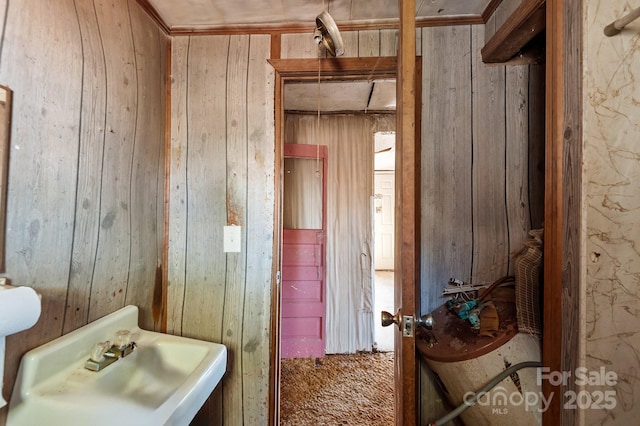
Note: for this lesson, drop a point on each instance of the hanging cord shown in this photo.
(318, 118)
(486, 388)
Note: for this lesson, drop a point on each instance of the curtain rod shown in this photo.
(616, 26)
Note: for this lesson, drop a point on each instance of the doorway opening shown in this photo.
(384, 234)
(365, 264)
(351, 367)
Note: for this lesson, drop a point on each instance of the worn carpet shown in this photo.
(337, 390)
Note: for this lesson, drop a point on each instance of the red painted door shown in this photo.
(303, 252)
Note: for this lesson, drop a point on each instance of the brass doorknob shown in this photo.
(425, 321)
(388, 319)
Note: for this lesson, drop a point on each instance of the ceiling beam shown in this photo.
(524, 24)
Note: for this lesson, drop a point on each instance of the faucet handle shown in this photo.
(98, 351)
(123, 338)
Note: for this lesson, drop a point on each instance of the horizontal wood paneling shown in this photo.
(84, 213)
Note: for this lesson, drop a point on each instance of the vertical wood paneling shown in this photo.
(4, 8)
(446, 214)
(222, 151)
(481, 168)
(92, 124)
(114, 244)
(236, 190)
(389, 42)
(517, 156)
(42, 162)
(368, 43)
(206, 185)
(536, 144)
(73, 193)
(350, 39)
(206, 188)
(177, 243)
(446, 160)
(259, 230)
(298, 45)
(490, 228)
(147, 167)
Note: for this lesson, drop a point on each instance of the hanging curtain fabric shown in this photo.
(350, 142)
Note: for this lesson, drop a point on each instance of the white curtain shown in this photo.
(350, 141)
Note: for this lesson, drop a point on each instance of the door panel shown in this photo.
(407, 213)
(384, 220)
(303, 309)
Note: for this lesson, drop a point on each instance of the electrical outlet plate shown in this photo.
(232, 239)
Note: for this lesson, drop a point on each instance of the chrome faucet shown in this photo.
(104, 354)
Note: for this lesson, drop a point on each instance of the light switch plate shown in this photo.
(232, 239)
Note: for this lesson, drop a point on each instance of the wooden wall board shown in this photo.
(255, 339)
(473, 160)
(71, 132)
(350, 39)
(205, 201)
(517, 158)
(446, 210)
(389, 42)
(298, 46)
(114, 244)
(363, 43)
(536, 144)
(447, 227)
(147, 233)
(42, 165)
(490, 228)
(91, 152)
(369, 43)
(236, 198)
(222, 162)
(206, 188)
(177, 229)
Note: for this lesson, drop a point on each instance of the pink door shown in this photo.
(303, 251)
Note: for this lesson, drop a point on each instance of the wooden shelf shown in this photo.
(524, 24)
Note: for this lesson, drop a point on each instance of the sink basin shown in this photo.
(164, 381)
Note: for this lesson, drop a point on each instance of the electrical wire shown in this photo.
(486, 388)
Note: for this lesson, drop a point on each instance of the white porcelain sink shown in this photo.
(164, 381)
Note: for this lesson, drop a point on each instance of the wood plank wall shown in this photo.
(486, 111)
(86, 173)
(85, 218)
(222, 173)
(482, 167)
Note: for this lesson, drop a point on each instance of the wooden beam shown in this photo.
(525, 23)
(335, 68)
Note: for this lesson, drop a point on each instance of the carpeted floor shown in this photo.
(337, 390)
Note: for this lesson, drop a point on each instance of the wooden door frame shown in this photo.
(344, 69)
(407, 238)
(563, 204)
